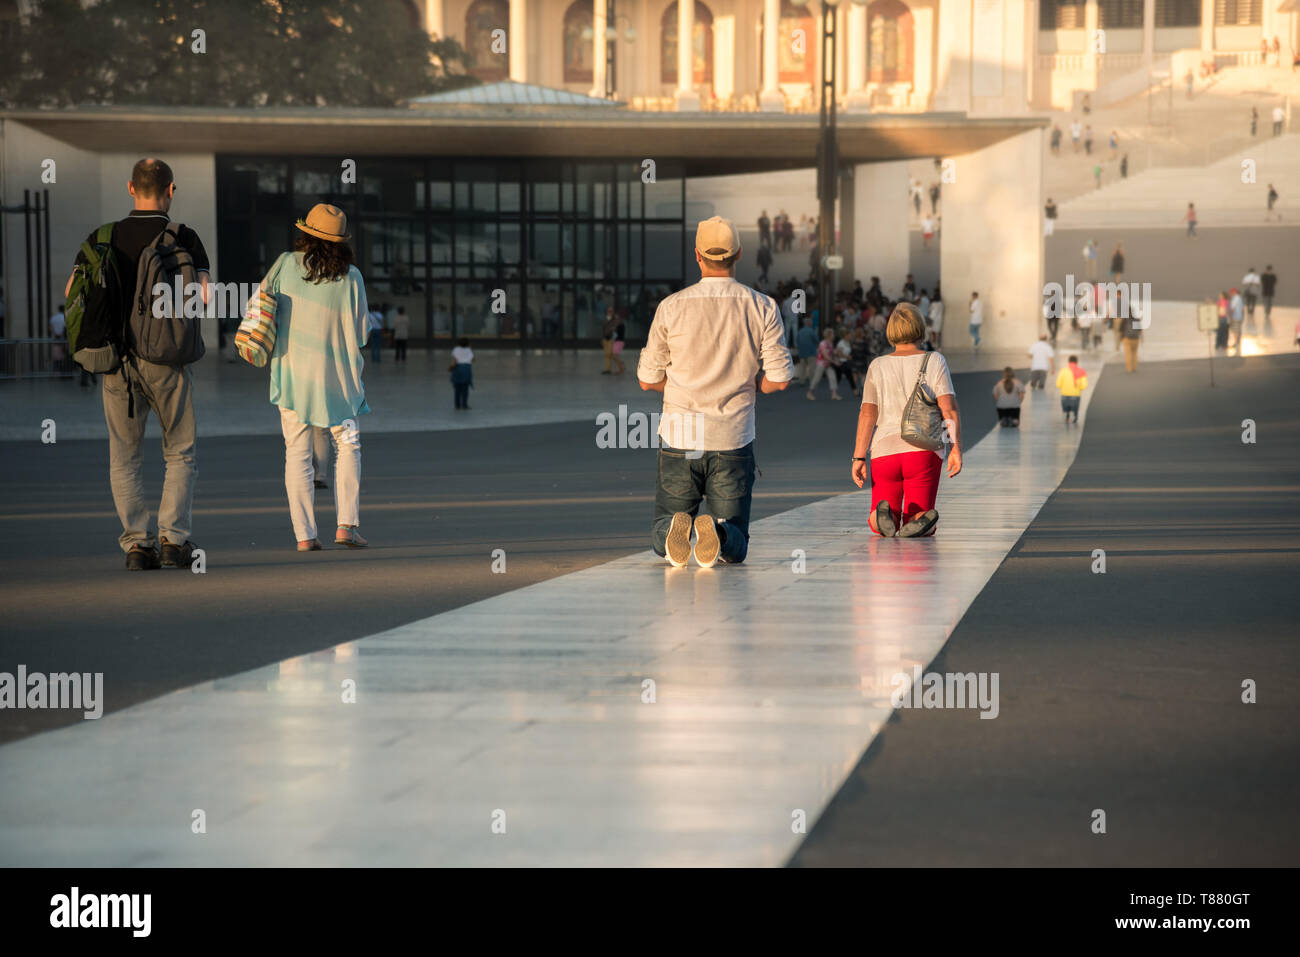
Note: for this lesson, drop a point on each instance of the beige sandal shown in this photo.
(312, 545)
(349, 536)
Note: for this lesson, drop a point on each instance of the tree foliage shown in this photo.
(365, 53)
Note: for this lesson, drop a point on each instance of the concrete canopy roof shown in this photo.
(707, 143)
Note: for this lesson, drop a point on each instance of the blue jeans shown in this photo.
(726, 479)
(1070, 405)
(376, 345)
(975, 333)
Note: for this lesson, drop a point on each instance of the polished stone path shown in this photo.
(530, 712)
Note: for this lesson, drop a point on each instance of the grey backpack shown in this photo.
(159, 329)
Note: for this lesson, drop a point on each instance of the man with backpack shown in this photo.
(121, 324)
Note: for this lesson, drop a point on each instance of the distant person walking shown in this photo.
(321, 320)
(1190, 217)
(1254, 121)
(1049, 217)
(1096, 174)
(1130, 336)
(1114, 144)
(934, 192)
(927, 231)
(607, 338)
(764, 229)
(1237, 316)
(904, 477)
(1042, 360)
(1076, 134)
(712, 348)
(401, 333)
(375, 327)
(1117, 264)
(976, 319)
(825, 365)
(1090, 259)
(764, 259)
(1267, 289)
(1272, 201)
(1221, 332)
(462, 372)
(1279, 118)
(1123, 167)
(1070, 382)
(806, 343)
(1056, 140)
(934, 319)
(1007, 396)
(1250, 288)
(1087, 140)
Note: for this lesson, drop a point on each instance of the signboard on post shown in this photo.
(1207, 317)
(833, 262)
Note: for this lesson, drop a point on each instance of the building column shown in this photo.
(856, 24)
(518, 46)
(883, 246)
(1207, 25)
(1090, 21)
(1149, 34)
(953, 86)
(599, 24)
(772, 100)
(433, 18)
(687, 98)
(923, 56)
(992, 243)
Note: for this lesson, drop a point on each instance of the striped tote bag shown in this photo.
(255, 340)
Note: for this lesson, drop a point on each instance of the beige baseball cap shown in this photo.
(716, 239)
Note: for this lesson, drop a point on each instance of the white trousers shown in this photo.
(829, 373)
(299, 474)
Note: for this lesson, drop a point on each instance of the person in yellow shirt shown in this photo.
(1071, 381)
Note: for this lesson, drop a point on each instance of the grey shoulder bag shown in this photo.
(922, 423)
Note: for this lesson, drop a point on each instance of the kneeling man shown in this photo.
(712, 347)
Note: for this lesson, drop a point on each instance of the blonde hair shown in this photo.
(905, 324)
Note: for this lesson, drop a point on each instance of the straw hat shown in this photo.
(326, 222)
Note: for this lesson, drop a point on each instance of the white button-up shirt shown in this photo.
(711, 340)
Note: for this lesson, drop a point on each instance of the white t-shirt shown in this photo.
(1251, 283)
(890, 380)
(58, 325)
(976, 312)
(936, 315)
(1040, 354)
(927, 225)
(462, 354)
(1278, 114)
(1076, 129)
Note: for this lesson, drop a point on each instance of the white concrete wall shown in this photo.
(992, 243)
(880, 224)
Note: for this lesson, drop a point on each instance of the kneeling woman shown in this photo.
(904, 478)
(322, 322)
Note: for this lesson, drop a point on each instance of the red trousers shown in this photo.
(908, 481)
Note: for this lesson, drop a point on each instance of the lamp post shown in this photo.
(827, 159)
(611, 45)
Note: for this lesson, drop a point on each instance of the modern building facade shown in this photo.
(520, 224)
(977, 56)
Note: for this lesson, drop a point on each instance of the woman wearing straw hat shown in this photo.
(321, 318)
